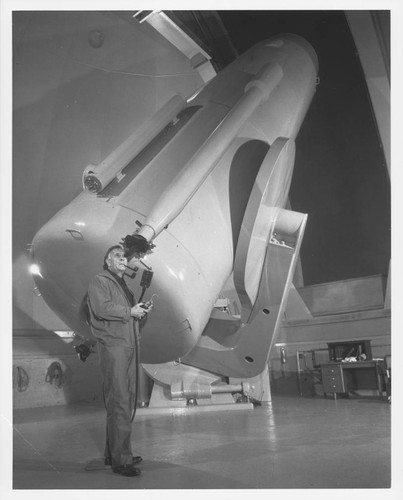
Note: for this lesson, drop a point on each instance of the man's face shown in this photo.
(117, 262)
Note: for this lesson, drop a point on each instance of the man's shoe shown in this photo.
(127, 470)
(135, 460)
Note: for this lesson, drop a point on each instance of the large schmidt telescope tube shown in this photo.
(96, 177)
(183, 187)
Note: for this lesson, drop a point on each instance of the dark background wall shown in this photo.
(340, 176)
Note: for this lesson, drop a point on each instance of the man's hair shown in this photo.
(108, 252)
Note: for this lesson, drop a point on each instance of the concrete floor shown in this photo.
(293, 443)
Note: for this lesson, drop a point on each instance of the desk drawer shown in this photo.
(332, 379)
(330, 369)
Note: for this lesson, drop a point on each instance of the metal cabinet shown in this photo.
(333, 379)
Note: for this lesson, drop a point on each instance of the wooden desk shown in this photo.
(342, 378)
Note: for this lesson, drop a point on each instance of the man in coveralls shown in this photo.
(114, 314)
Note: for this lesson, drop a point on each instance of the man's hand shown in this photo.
(138, 311)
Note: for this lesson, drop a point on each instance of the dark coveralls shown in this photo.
(109, 303)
